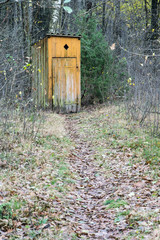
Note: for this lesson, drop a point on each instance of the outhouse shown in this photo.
(56, 73)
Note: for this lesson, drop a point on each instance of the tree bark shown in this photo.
(117, 27)
(154, 19)
(146, 12)
(4, 1)
(103, 18)
(54, 22)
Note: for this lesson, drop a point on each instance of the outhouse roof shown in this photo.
(57, 35)
(63, 35)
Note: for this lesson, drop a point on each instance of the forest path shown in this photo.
(112, 196)
(92, 175)
(89, 217)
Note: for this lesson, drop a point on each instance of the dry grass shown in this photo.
(37, 176)
(33, 173)
(54, 125)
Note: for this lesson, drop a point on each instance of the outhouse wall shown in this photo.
(52, 61)
(40, 73)
(56, 51)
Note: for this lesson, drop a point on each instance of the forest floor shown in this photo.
(90, 175)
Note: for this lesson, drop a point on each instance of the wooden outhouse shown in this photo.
(56, 73)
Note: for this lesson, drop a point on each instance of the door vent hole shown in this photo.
(66, 46)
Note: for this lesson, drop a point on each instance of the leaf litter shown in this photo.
(87, 179)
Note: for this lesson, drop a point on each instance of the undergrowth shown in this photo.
(129, 157)
(35, 175)
(110, 126)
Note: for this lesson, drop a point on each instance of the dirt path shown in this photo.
(89, 218)
(94, 176)
(112, 200)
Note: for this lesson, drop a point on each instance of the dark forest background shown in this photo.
(120, 50)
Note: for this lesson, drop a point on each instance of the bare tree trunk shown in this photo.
(103, 18)
(146, 11)
(117, 27)
(54, 22)
(154, 19)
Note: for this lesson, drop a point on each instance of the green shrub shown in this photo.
(11, 209)
(103, 75)
(5, 211)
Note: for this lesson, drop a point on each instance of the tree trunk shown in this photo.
(154, 19)
(103, 18)
(146, 12)
(117, 27)
(54, 22)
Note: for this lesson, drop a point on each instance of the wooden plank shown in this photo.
(41, 74)
(67, 89)
(69, 80)
(38, 75)
(46, 71)
(33, 73)
(50, 80)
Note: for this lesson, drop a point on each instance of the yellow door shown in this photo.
(65, 84)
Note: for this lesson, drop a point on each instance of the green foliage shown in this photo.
(124, 213)
(103, 74)
(151, 153)
(5, 211)
(133, 11)
(66, 8)
(9, 209)
(115, 203)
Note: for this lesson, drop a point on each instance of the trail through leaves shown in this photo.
(132, 210)
(91, 182)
